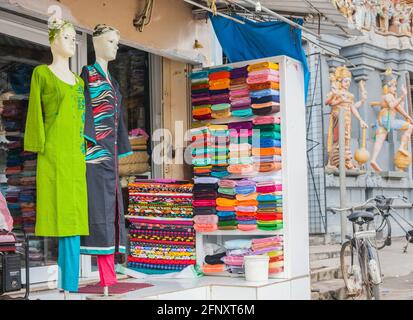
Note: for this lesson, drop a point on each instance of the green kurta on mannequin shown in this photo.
(54, 129)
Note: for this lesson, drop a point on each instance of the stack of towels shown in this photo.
(240, 148)
(269, 197)
(204, 195)
(264, 85)
(273, 247)
(239, 93)
(226, 205)
(201, 104)
(201, 151)
(220, 143)
(266, 144)
(219, 83)
(247, 203)
(236, 250)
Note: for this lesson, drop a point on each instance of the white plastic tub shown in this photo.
(256, 268)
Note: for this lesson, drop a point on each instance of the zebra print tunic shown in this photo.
(107, 141)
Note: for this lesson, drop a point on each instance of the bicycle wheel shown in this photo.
(383, 231)
(369, 270)
(350, 269)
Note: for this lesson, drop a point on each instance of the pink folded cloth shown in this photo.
(208, 219)
(267, 120)
(264, 72)
(227, 183)
(242, 133)
(205, 227)
(234, 260)
(241, 168)
(269, 189)
(239, 93)
(264, 240)
(247, 227)
(203, 203)
(246, 208)
(261, 79)
(235, 102)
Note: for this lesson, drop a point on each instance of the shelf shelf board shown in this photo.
(241, 233)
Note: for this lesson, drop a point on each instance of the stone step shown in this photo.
(333, 289)
(325, 273)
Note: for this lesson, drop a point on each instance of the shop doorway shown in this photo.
(24, 45)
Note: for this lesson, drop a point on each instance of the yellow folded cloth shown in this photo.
(262, 65)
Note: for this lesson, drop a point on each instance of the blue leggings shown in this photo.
(68, 263)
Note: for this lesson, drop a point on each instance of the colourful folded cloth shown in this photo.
(263, 66)
(207, 219)
(264, 93)
(264, 86)
(269, 217)
(246, 208)
(265, 99)
(242, 113)
(267, 166)
(205, 227)
(206, 180)
(219, 75)
(229, 191)
(264, 72)
(265, 105)
(247, 227)
(240, 160)
(266, 151)
(240, 125)
(219, 84)
(245, 189)
(222, 202)
(269, 189)
(268, 197)
(226, 213)
(247, 203)
(203, 203)
(262, 78)
(238, 244)
(227, 223)
(248, 197)
(266, 120)
(241, 168)
(225, 208)
(239, 81)
(266, 143)
(199, 74)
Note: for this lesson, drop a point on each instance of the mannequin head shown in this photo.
(62, 37)
(105, 42)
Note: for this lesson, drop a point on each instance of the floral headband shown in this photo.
(55, 26)
(101, 29)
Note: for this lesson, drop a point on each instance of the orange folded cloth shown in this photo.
(241, 168)
(245, 214)
(221, 114)
(242, 197)
(267, 166)
(219, 84)
(262, 66)
(219, 75)
(201, 111)
(213, 268)
(246, 203)
(225, 208)
(264, 86)
(266, 151)
(264, 105)
(205, 227)
(223, 202)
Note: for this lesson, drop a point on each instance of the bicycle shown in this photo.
(385, 212)
(359, 258)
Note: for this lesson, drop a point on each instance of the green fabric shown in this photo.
(270, 134)
(221, 106)
(228, 191)
(268, 127)
(201, 106)
(54, 129)
(242, 160)
(227, 223)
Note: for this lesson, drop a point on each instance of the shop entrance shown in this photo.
(24, 45)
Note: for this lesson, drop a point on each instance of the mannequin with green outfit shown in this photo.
(54, 129)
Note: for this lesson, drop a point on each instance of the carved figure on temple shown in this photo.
(338, 98)
(362, 15)
(385, 13)
(390, 105)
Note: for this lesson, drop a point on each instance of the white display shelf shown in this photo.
(294, 178)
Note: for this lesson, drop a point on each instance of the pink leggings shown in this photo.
(106, 264)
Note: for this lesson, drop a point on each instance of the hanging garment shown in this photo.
(54, 129)
(108, 141)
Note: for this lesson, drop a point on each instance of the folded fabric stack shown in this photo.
(219, 83)
(201, 104)
(270, 206)
(246, 209)
(201, 151)
(239, 93)
(264, 85)
(273, 247)
(236, 251)
(213, 264)
(226, 204)
(204, 195)
(161, 234)
(240, 148)
(220, 143)
(138, 161)
(266, 144)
